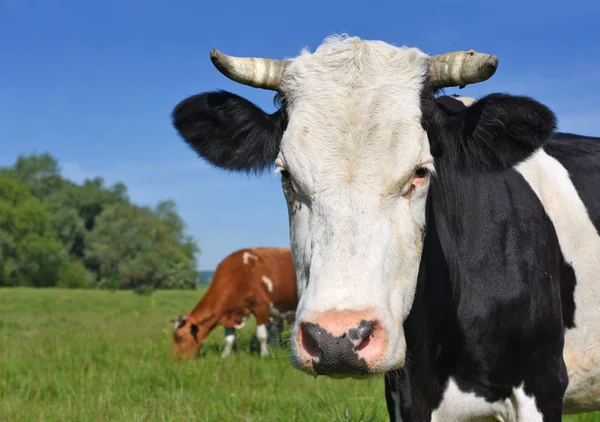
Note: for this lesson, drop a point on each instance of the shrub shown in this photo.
(144, 290)
(73, 274)
(109, 283)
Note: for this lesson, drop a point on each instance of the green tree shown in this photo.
(30, 252)
(40, 172)
(75, 208)
(166, 211)
(57, 232)
(130, 243)
(66, 221)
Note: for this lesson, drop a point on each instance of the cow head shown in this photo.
(188, 336)
(351, 143)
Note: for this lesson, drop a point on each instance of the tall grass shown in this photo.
(69, 355)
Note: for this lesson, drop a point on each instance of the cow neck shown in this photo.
(430, 328)
(205, 311)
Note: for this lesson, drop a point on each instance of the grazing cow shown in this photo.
(457, 243)
(258, 281)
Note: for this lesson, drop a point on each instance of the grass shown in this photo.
(69, 355)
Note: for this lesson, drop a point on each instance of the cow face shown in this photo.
(187, 339)
(355, 164)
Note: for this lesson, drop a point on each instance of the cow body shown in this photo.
(509, 261)
(453, 248)
(256, 281)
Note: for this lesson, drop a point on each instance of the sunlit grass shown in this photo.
(69, 355)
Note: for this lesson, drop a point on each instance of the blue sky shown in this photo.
(94, 83)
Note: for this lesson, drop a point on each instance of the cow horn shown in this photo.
(252, 71)
(461, 68)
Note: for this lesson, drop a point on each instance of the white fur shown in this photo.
(268, 282)
(247, 256)
(580, 245)
(460, 406)
(353, 140)
(243, 323)
(261, 335)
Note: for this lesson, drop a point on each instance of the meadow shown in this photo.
(92, 355)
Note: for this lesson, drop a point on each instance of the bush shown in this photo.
(144, 290)
(73, 274)
(109, 283)
(178, 274)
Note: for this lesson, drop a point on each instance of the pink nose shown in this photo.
(343, 343)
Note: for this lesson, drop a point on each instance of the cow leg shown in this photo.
(537, 399)
(262, 318)
(542, 405)
(543, 392)
(279, 331)
(274, 327)
(273, 333)
(261, 335)
(229, 340)
(397, 395)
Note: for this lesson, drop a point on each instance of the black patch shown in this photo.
(337, 354)
(567, 292)
(397, 395)
(229, 131)
(450, 104)
(495, 133)
(487, 310)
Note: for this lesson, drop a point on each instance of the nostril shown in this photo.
(309, 342)
(360, 336)
(365, 342)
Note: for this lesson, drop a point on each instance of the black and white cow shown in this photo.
(458, 245)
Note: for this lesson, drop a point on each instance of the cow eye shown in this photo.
(421, 172)
(286, 181)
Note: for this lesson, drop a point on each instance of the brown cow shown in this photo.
(259, 281)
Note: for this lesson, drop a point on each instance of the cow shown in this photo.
(255, 281)
(454, 249)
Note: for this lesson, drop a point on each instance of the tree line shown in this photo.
(55, 232)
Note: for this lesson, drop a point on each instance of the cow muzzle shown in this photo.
(340, 344)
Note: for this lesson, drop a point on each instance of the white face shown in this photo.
(359, 163)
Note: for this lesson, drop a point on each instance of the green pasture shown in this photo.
(95, 355)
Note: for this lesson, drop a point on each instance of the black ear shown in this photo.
(495, 133)
(451, 104)
(229, 131)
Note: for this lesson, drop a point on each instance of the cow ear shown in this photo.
(494, 133)
(229, 131)
(179, 321)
